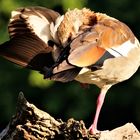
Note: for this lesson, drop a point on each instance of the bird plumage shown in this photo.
(80, 45)
(27, 44)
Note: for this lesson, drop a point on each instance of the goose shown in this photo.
(82, 45)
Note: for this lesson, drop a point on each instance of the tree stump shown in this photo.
(31, 123)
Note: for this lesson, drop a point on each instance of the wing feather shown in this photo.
(33, 19)
(100, 42)
(28, 44)
(85, 49)
(26, 50)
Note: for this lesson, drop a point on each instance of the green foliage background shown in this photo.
(65, 100)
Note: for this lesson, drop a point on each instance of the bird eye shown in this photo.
(51, 43)
(69, 39)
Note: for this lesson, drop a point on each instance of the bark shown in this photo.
(31, 123)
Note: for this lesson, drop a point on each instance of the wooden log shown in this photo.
(31, 123)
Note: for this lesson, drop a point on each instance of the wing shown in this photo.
(29, 34)
(106, 39)
(27, 51)
(85, 50)
(34, 19)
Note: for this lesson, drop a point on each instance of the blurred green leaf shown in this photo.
(36, 80)
(8, 5)
(71, 4)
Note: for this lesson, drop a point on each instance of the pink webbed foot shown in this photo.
(93, 130)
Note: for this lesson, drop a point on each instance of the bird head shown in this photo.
(71, 23)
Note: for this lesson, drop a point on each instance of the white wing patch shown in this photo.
(123, 49)
(40, 26)
(83, 70)
(14, 13)
(53, 28)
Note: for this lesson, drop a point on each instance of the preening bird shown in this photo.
(81, 45)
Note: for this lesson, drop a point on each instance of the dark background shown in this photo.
(122, 103)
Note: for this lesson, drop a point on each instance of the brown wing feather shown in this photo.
(19, 21)
(26, 50)
(25, 47)
(85, 50)
(113, 33)
(49, 14)
(92, 44)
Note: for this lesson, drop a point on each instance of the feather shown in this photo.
(36, 20)
(107, 36)
(26, 50)
(28, 44)
(85, 49)
(66, 75)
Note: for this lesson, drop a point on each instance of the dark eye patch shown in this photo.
(51, 43)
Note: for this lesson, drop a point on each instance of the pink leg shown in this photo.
(100, 101)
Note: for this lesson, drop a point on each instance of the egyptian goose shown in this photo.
(80, 45)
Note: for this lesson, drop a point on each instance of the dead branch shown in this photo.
(31, 123)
